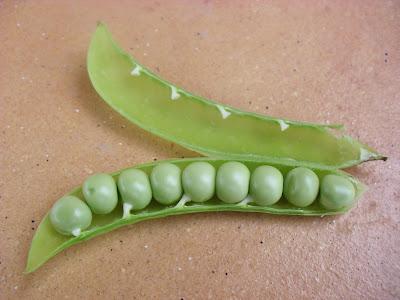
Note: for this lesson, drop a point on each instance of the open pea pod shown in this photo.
(207, 127)
(47, 242)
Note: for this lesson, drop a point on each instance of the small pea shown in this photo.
(166, 184)
(337, 192)
(266, 185)
(70, 215)
(301, 187)
(232, 182)
(135, 189)
(198, 180)
(100, 192)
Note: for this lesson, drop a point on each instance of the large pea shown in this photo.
(135, 189)
(232, 182)
(301, 187)
(165, 181)
(100, 192)
(198, 180)
(266, 185)
(70, 215)
(337, 192)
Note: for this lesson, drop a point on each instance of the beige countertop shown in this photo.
(314, 61)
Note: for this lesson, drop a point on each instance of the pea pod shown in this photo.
(207, 127)
(47, 241)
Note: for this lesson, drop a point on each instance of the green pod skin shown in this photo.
(70, 215)
(47, 242)
(205, 126)
(301, 187)
(266, 185)
(337, 192)
(198, 180)
(100, 192)
(166, 183)
(134, 187)
(232, 182)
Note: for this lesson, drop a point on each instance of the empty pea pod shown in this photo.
(174, 114)
(201, 191)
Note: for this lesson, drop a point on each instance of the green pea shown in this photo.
(337, 192)
(198, 180)
(232, 182)
(100, 192)
(301, 187)
(165, 181)
(135, 189)
(266, 185)
(70, 215)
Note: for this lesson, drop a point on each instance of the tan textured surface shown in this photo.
(311, 61)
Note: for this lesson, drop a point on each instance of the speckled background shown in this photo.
(318, 61)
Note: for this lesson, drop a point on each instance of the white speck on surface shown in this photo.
(283, 125)
(256, 67)
(136, 71)
(88, 170)
(365, 154)
(146, 246)
(188, 229)
(223, 111)
(120, 143)
(43, 34)
(23, 77)
(22, 128)
(144, 54)
(76, 232)
(155, 29)
(190, 258)
(179, 269)
(18, 25)
(295, 94)
(197, 49)
(8, 126)
(123, 270)
(147, 44)
(77, 110)
(16, 287)
(174, 93)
